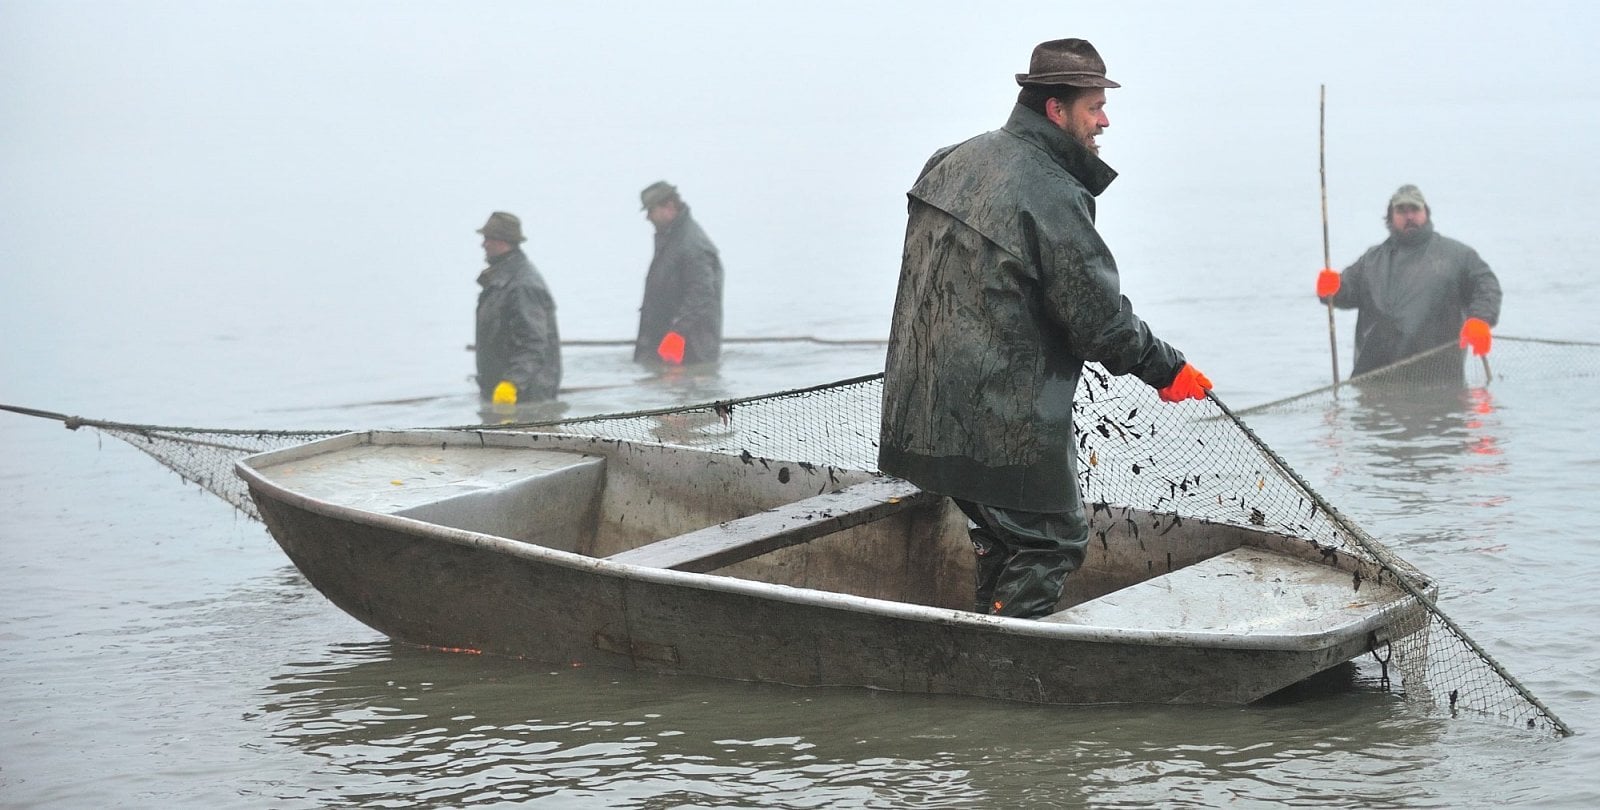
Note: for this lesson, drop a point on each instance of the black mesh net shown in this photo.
(1195, 459)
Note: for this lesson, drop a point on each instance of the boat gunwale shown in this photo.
(886, 608)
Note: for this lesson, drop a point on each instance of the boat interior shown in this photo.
(810, 526)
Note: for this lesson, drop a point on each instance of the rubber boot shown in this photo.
(1030, 585)
(992, 556)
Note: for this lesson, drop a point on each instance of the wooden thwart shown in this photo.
(724, 544)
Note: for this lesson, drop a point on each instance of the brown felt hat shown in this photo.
(504, 227)
(1072, 62)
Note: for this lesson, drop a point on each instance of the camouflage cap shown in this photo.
(504, 227)
(1408, 195)
(657, 193)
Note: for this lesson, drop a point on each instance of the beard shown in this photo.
(1086, 137)
(1083, 134)
(1412, 237)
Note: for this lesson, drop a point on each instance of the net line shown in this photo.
(1447, 364)
(1193, 460)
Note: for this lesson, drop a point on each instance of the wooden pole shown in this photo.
(1327, 260)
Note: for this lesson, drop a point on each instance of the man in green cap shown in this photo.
(1006, 290)
(518, 344)
(1417, 290)
(680, 321)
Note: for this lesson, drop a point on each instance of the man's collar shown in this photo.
(504, 257)
(677, 221)
(496, 270)
(1062, 148)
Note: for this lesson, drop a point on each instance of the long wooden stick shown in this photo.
(1327, 260)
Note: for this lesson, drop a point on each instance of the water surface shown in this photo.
(224, 216)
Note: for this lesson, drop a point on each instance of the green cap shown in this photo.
(1408, 195)
(657, 193)
(504, 227)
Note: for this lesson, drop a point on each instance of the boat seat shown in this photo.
(1246, 591)
(737, 540)
(550, 498)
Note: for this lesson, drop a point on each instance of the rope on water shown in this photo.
(774, 339)
(720, 406)
(75, 422)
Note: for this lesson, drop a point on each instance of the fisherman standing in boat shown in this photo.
(680, 321)
(1006, 290)
(1416, 291)
(518, 344)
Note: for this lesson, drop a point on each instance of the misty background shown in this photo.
(196, 191)
(251, 214)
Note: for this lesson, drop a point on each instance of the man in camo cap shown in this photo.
(1416, 291)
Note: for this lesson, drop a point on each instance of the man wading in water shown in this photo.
(1415, 291)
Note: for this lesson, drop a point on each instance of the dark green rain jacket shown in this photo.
(1414, 297)
(1005, 291)
(682, 293)
(517, 338)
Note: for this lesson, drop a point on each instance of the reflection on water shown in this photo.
(677, 385)
(394, 725)
(603, 380)
(1403, 441)
(1417, 443)
(1426, 428)
(505, 414)
(669, 385)
(443, 728)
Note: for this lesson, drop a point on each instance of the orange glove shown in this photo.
(1327, 282)
(1189, 384)
(1475, 333)
(671, 348)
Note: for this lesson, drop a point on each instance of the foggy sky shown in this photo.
(223, 163)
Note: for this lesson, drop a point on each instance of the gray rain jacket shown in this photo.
(517, 338)
(1006, 289)
(1413, 298)
(682, 293)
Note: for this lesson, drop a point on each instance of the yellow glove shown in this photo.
(505, 393)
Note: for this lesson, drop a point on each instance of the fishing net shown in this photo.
(1447, 366)
(201, 456)
(1195, 459)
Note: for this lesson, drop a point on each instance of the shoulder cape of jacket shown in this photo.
(1006, 289)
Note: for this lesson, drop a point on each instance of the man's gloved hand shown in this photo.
(505, 393)
(1327, 282)
(1475, 333)
(1189, 384)
(671, 348)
